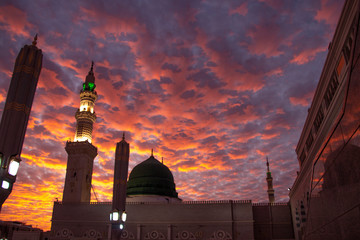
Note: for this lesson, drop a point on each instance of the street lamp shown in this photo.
(115, 216)
(10, 171)
(14, 166)
(117, 222)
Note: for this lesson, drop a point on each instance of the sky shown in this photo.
(212, 86)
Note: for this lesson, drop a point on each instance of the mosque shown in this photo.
(324, 199)
(153, 206)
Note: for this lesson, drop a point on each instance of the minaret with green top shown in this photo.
(269, 179)
(85, 115)
(81, 152)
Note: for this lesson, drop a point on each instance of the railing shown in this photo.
(184, 202)
(271, 204)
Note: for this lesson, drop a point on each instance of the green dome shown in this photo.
(151, 177)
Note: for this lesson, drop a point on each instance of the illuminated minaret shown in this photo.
(270, 190)
(16, 114)
(81, 152)
(85, 115)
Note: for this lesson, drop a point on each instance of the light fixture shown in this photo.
(14, 166)
(123, 216)
(114, 216)
(121, 226)
(5, 185)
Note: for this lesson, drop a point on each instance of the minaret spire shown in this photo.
(270, 190)
(85, 116)
(35, 40)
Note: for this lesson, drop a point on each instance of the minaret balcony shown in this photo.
(87, 95)
(85, 115)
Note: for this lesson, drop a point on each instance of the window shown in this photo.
(309, 141)
(302, 157)
(318, 120)
(331, 89)
(340, 66)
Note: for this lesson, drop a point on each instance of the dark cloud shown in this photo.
(206, 78)
(174, 68)
(188, 94)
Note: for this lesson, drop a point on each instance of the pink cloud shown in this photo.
(241, 9)
(302, 101)
(329, 9)
(15, 21)
(306, 56)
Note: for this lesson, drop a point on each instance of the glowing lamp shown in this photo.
(123, 216)
(14, 166)
(114, 216)
(121, 226)
(5, 185)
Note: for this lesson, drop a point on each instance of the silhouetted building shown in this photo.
(20, 231)
(325, 197)
(270, 191)
(155, 212)
(16, 115)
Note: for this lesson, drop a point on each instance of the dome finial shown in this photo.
(123, 136)
(152, 152)
(267, 164)
(35, 40)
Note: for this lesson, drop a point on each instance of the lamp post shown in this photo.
(117, 223)
(9, 172)
(118, 214)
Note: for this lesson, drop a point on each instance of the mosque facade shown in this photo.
(153, 206)
(324, 199)
(325, 196)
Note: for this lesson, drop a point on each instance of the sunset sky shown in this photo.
(212, 86)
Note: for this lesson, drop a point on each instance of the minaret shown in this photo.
(81, 152)
(120, 174)
(270, 190)
(85, 115)
(16, 114)
(119, 188)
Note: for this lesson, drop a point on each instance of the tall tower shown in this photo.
(120, 174)
(270, 190)
(119, 189)
(16, 114)
(81, 152)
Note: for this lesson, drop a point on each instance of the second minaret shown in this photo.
(81, 152)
